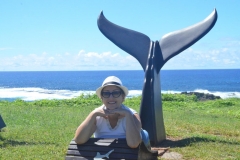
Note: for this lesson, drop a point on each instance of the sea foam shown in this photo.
(31, 94)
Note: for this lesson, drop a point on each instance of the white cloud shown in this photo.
(226, 57)
(81, 61)
(211, 59)
(3, 49)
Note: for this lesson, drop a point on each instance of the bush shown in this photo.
(179, 98)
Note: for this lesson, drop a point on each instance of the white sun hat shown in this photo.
(112, 81)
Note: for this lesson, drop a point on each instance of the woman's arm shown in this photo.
(133, 126)
(88, 126)
(133, 129)
(86, 129)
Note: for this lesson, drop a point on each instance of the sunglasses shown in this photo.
(115, 94)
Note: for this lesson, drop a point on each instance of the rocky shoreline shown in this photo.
(202, 96)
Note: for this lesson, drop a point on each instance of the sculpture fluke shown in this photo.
(125, 39)
(182, 39)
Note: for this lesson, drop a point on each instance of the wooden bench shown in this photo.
(112, 149)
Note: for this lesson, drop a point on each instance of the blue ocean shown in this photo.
(36, 85)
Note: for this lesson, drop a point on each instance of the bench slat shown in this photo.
(99, 140)
(100, 148)
(120, 145)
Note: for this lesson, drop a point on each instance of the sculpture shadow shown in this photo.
(8, 142)
(187, 141)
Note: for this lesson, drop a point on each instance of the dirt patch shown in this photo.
(164, 148)
(172, 155)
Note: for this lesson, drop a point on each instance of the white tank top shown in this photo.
(104, 129)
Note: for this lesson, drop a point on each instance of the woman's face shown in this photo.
(112, 102)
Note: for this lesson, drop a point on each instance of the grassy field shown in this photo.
(196, 129)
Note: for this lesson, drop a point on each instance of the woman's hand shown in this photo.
(102, 112)
(119, 111)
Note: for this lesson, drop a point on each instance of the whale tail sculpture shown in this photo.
(152, 56)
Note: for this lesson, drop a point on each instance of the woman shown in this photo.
(112, 119)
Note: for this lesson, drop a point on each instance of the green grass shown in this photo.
(197, 130)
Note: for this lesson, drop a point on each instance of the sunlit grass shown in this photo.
(197, 130)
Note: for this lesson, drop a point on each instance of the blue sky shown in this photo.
(57, 35)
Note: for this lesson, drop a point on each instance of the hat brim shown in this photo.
(99, 90)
